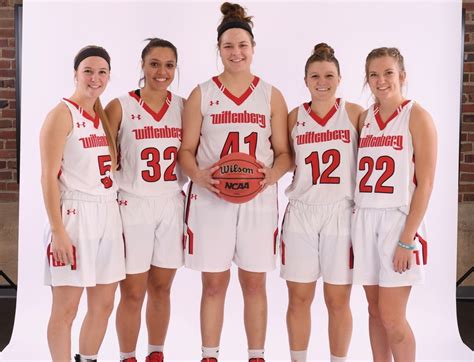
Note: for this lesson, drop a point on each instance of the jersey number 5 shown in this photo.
(152, 156)
(104, 169)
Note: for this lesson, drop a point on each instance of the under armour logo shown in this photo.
(193, 196)
(71, 212)
(79, 124)
(123, 202)
(211, 103)
(138, 116)
(367, 125)
(300, 123)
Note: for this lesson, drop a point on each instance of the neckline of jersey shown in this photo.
(237, 100)
(157, 116)
(322, 121)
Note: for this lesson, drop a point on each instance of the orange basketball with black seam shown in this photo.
(239, 177)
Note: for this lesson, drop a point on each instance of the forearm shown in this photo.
(418, 206)
(282, 164)
(187, 161)
(52, 202)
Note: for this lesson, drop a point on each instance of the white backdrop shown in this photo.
(428, 35)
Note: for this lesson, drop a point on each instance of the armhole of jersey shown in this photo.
(203, 87)
(72, 119)
(121, 101)
(354, 129)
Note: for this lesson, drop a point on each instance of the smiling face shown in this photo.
(236, 48)
(92, 76)
(322, 80)
(159, 67)
(385, 78)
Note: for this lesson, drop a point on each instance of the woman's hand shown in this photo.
(62, 248)
(203, 178)
(402, 259)
(271, 176)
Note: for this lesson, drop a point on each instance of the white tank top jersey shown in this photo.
(235, 124)
(86, 164)
(386, 167)
(325, 156)
(148, 147)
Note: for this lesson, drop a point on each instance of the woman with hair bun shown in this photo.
(395, 174)
(150, 198)
(84, 238)
(316, 228)
(218, 232)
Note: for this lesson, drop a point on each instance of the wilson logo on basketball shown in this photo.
(237, 185)
(226, 169)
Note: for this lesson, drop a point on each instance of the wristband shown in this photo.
(406, 246)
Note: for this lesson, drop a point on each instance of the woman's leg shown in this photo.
(63, 311)
(100, 303)
(392, 307)
(337, 299)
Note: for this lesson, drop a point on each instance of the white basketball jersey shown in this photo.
(235, 124)
(385, 162)
(325, 156)
(86, 164)
(148, 147)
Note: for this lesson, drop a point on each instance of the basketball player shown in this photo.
(148, 124)
(220, 117)
(84, 238)
(316, 229)
(395, 172)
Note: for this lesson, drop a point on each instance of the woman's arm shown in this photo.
(56, 127)
(424, 138)
(192, 121)
(283, 159)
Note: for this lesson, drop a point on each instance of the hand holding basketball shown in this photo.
(203, 178)
(271, 176)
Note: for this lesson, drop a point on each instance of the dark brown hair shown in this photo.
(322, 53)
(158, 43)
(234, 16)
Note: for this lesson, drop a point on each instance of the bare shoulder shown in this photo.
(292, 118)
(113, 106)
(59, 116)
(420, 119)
(354, 111)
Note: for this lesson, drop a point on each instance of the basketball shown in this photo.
(239, 177)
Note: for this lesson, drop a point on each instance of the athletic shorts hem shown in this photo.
(256, 269)
(207, 270)
(137, 271)
(401, 284)
(291, 278)
(168, 266)
(337, 282)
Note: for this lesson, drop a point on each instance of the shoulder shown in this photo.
(420, 119)
(58, 120)
(354, 109)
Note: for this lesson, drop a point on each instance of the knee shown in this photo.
(374, 312)
(253, 286)
(101, 309)
(160, 290)
(299, 301)
(132, 299)
(337, 306)
(393, 325)
(214, 289)
(65, 314)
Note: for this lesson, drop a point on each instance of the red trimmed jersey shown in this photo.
(148, 146)
(325, 156)
(235, 124)
(86, 165)
(385, 162)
